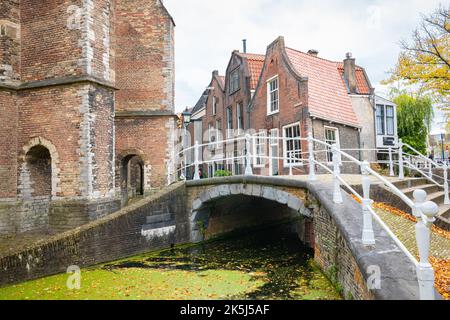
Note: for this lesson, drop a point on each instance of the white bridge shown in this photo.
(253, 153)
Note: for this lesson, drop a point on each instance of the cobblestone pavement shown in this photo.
(404, 229)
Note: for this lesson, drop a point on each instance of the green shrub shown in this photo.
(222, 173)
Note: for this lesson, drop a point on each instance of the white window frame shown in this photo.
(229, 119)
(337, 141)
(274, 133)
(285, 157)
(214, 105)
(218, 129)
(386, 119)
(239, 118)
(385, 107)
(235, 82)
(274, 142)
(269, 96)
(259, 149)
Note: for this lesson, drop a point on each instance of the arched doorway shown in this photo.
(39, 165)
(131, 177)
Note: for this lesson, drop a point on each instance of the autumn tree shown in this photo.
(425, 60)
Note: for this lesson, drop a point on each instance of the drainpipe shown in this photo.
(359, 144)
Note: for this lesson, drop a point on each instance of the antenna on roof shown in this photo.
(244, 43)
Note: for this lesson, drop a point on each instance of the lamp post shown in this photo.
(186, 120)
(442, 148)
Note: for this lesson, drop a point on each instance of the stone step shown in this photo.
(444, 211)
(157, 218)
(437, 197)
(429, 188)
(410, 182)
(158, 225)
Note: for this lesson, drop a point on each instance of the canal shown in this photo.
(266, 264)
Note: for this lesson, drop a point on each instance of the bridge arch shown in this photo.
(283, 203)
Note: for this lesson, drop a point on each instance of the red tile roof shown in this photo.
(362, 85)
(328, 96)
(255, 65)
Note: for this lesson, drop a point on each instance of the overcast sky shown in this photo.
(208, 31)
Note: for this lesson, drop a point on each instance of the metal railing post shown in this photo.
(401, 173)
(391, 163)
(425, 272)
(291, 158)
(312, 171)
(446, 198)
(430, 169)
(248, 156)
(420, 196)
(368, 237)
(337, 195)
(196, 161)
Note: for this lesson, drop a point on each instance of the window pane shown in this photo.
(390, 120)
(380, 119)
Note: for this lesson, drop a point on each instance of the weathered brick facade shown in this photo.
(81, 82)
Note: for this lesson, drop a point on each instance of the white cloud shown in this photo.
(209, 30)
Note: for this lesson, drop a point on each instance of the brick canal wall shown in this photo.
(136, 229)
(190, 213)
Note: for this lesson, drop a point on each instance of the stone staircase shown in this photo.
(435, 194)
(159, 224)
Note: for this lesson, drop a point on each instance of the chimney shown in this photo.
(215, 73)
(313, 52)
(244, 43)
(350, 73)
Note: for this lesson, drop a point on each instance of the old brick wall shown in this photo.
(9, 41)
(153, 137)
(117, 236)
(64, 54)
(293, 93)
(8, 144)
(332, 253)
(348, 139)
(66, 38)
(78, 121)
(144, 42)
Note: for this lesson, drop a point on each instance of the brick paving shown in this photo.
(405, 231)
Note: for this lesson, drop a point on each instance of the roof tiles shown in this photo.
(328, 97)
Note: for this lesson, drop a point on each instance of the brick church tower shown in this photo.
(86, 108)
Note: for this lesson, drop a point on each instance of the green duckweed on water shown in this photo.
(261, 265)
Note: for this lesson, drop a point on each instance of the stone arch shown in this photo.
(39, 173)
(132, 168)
(198, 214)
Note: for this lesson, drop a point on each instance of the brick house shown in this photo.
(289, 93)
(300, 92)
(86, 108)
(226, 114)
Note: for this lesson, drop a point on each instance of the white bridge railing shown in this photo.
(424, 211)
